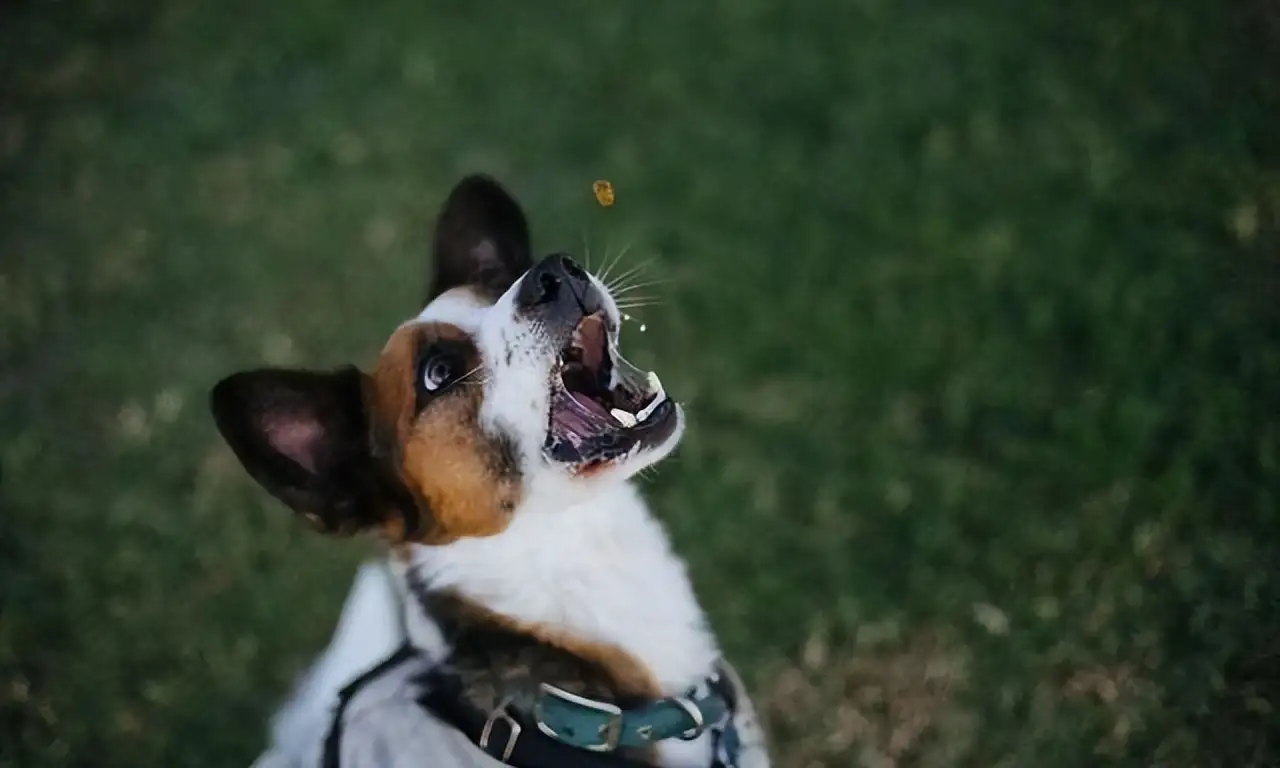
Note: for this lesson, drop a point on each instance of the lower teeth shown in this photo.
(659, 396)
(624, 418)
(628, 419)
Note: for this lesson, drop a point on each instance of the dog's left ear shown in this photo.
(304, 437)
(481, 239)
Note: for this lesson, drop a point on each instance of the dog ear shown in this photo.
(481, 239)
(304, 437)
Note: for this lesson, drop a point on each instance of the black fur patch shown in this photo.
(481, 239)
(304, 437)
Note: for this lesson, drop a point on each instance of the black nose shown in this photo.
(558, 293)
(554, 280)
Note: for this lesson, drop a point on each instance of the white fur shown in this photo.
(459, 306)
(602, 571)
(581, 556)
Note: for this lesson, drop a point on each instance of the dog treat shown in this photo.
(604, 192)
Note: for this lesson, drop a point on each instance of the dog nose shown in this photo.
(550, 280)
(558, 289)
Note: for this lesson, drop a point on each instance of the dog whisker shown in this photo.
(464, 377)
(637, 302)
(629, 287)
(636, 267)
(634, 271)
(612, 264)
(622, 290)
(470, 373)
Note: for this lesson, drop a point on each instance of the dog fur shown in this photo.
(515, 568)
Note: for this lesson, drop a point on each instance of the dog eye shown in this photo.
(438, 369)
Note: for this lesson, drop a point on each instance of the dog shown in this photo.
(531, 610)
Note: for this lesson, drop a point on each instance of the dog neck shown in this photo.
(589, 597)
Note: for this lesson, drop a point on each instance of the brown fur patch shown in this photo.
(464, 480)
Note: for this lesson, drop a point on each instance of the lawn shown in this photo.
(977, 307)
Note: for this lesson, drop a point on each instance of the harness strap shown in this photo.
(725, 744)
(333, 740)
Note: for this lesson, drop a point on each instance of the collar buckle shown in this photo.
(610, 732)
(513, 731)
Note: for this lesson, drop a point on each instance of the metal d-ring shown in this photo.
(691, 709)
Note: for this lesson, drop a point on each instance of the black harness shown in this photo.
(509, 736)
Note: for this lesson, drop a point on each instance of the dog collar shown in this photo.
(604, 727)
(564, 730)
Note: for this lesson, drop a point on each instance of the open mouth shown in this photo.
(603, 409)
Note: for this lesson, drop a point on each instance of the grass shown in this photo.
(976, 307)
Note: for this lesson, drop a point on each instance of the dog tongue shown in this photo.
(590, 337)
(575, 418)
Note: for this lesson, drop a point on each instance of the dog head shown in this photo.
(507, 394)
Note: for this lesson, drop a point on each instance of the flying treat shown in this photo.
(604, 192)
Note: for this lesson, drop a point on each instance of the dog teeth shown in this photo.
(651, 407)
(624, 418)
(659, 396)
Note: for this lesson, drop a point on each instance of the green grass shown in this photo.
(976, 307)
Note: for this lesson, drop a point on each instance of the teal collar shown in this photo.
(603, 727)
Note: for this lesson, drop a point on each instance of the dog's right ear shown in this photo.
(481, 239)
(304, 437)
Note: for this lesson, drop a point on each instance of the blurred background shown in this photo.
(975, 304)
